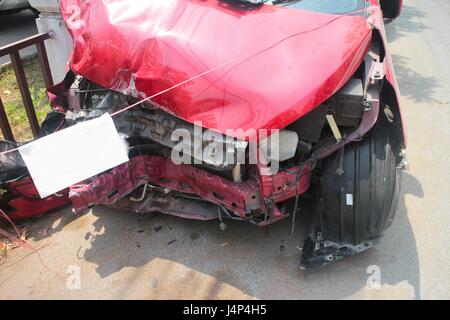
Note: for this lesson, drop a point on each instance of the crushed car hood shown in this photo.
(271, 65)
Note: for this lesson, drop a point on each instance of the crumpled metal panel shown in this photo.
(170, 204)
(24, 201)
(285, 61)
(109, 187)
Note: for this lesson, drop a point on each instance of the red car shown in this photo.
(308, 86)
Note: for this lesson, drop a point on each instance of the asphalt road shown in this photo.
(16, 27)
(122, 255)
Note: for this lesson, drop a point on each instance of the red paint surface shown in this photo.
(378, 21)
(26, 203)
(122, 180)
(286, 61)
(278, 64)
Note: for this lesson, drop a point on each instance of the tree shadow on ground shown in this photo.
(413, 85)
(248, 258)
(411, 20)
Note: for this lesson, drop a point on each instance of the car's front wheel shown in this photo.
(357, 198)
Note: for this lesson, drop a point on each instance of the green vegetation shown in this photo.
(10, 94)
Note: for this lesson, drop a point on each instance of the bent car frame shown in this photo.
(241, 110)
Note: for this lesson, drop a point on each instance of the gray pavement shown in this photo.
(123, 255)
(14, 27)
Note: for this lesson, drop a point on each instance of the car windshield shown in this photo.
(325, 6)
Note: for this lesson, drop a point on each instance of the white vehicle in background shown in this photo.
(13, 6)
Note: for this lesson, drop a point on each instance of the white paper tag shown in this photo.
(349, 198)
(69, 156)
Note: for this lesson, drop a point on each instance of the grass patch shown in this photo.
(9, 91)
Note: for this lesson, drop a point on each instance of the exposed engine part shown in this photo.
(207, 148)
(347, 105)
(160, 127)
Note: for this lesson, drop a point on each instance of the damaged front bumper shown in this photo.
(153, 183)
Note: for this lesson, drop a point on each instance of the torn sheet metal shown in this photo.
(66, 157)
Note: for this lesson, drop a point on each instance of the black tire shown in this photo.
(358, 205)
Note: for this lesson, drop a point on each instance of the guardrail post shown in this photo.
(25, 92)
(43, 59)
(4, 124)
(13, 50)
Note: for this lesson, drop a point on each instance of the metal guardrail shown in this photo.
(13, 51)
